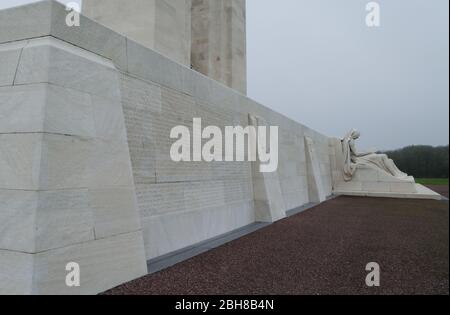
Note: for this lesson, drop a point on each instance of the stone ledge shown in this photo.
(422, 193)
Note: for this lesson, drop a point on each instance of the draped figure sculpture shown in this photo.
(353, 158)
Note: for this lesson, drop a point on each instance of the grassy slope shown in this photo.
(432, 181)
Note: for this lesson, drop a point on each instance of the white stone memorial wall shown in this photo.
(85, 172)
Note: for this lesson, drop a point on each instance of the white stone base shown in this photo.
(372, 182)
(422, 193)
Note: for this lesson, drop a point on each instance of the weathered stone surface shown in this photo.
(161, 25)
(65, 162)
(16, 274)
(164, 234)
(316, 186)
(17, 220)
(48, 18)
(20, 159)
(46, 108)
(33, 20)
(219, 41)
(109, 165)
(53, 61)
(63, 218)
(91, 36)
(9, 60)
(65, 173)
(104, 264)
(151, 66)
(112, 213)
(22, 108)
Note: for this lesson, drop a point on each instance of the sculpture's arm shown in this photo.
(356, 153)
(362, 154)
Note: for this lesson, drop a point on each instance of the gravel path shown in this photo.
(440, 189)
(323, 251)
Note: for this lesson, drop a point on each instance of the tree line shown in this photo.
(422, 161)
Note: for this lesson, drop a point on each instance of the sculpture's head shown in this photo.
(356, 134)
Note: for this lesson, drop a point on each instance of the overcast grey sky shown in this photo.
(317, 62)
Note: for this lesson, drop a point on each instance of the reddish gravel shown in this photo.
(440, 189)
(323, 251)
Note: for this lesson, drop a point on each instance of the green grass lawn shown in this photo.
(432, 181)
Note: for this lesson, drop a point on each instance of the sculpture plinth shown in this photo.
(370, 174)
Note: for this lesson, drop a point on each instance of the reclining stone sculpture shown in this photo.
(353, 158)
